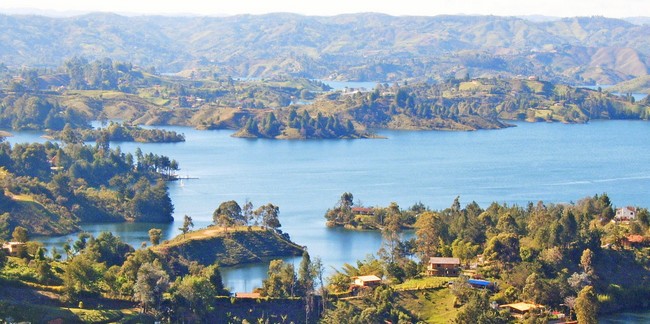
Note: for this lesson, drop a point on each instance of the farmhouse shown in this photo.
(443, 266)
(367, 281)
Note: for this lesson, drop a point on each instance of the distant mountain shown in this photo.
(639, 20)
(374, 47)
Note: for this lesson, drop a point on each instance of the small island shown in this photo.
(345, 214)
(228, 246)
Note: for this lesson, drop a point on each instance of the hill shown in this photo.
(228, 247)
(368, 46)
(636, 85)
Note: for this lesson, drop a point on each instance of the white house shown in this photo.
(625, 214)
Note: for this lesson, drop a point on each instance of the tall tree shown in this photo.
(269, 214)
(187, 223)
(429, 233)
(586, 306)
(306, 274)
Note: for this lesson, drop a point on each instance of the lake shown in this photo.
(542, 161)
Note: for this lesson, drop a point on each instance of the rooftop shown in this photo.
(440, 260)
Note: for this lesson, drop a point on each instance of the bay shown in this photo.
(541, 161)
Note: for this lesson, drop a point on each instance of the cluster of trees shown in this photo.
(77, 182)
(103, 267)
(283, 282)
(558, 255)
(36, 112)
(230, 214)
(306, 126)
(101, 74)
(342, 214)
(125, 132)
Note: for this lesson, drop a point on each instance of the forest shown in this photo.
(556, 255)
(575, 259)
(51, 188)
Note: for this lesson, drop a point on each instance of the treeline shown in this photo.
(124, 132)
(299, 126)
(345, 214)
(74, 183)
(542, 253)
(26, 111)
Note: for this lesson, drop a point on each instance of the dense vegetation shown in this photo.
(102, 278)
(556, 255)
(50, 188)
(371, 47)
(115, 132)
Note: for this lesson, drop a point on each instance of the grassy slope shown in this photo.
(428, 299)
(229, 247)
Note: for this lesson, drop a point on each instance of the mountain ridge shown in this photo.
(365, 46)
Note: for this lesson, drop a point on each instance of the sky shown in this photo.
(555, 8)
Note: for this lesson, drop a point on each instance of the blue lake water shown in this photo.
(542, 161)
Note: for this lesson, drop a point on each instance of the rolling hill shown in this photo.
(367, 46)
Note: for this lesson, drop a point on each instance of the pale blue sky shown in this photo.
(560, 8)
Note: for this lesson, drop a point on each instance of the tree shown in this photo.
(187, 223)
(19, 234)
(586, 260)
(195, 292)
(81, 275)
(281, 280)
(213, 274)
(306, 275)
(154, 236)
(478, 310)
(503, 248)
(152, 281)
(108, 248)
(4, 219)
(269, 215)
(247, 212)
(586, 306)
(227, 214)
(429, 234)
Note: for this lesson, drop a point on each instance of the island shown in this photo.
(228, 246)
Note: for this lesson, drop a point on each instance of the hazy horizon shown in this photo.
(547, 9)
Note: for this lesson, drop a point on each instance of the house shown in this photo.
(443, 266)
(13, 248)
(519, 309)
(633, 241)
(363, 211)
(625, 214)
(367, 281)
